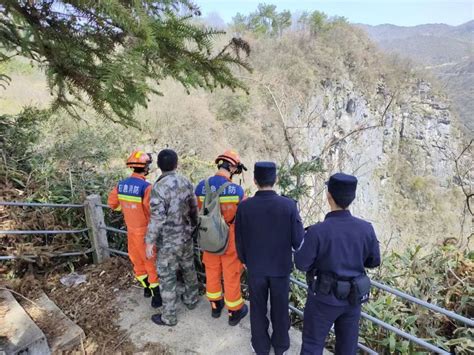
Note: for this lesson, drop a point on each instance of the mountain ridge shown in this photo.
(447, 51)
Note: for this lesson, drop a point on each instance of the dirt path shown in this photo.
(196, 332)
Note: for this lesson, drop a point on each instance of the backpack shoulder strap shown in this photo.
(208, 193)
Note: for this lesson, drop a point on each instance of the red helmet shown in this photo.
(230, 156)
(139, 159)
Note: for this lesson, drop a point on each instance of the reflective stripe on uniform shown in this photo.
(234, 304)
(142, 279)
(223, 199)
(228, 199)
(129, 198)
(214, 295)
(153, 287)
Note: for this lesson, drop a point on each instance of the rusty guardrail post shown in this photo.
(97, 233)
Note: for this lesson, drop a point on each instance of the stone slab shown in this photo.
(18, 333)
(61, 333)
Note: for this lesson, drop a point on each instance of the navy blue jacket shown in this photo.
(342, 244)
(267, 227)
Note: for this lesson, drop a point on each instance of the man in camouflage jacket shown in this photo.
(174, 216)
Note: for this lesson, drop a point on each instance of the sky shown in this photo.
(372, 12)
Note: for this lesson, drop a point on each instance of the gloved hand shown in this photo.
(150, 251)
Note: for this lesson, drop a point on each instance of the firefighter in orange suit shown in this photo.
(132, 197)
(227, 264)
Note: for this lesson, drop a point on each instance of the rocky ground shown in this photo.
(91, 305)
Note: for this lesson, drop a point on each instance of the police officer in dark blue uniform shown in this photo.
(267, 228)
(335, 254)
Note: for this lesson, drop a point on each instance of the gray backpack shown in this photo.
(213, 231)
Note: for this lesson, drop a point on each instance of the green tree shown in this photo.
(111, 54)
(264, 20)
(239, 23)
(283, 21)
(303, 21)
(267, 21)
(317, 22)
(339, 20)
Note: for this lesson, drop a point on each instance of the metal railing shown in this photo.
(103, 244)
(422, 303)
(36, 232)
(41, 204)
(28, 257)
(54, 255)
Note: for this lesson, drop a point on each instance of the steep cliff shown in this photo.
(343, 104)
(403, 155)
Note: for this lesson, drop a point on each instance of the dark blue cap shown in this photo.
(342, 188)
(264, 173)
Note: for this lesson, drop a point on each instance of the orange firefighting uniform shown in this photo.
(132, 197)
(228, 264)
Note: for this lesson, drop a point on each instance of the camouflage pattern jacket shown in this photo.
(174, 211)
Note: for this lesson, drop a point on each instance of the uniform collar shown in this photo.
(138, 176)
(223, 175)
(265, 193)
(338, 214)
(165, 174)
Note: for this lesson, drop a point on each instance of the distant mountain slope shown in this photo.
(448, 51)
(428, 44)
(388, 31)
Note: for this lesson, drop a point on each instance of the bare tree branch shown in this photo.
(468, 194)
(282, 118)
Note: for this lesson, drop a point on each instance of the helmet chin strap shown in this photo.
(231, 173)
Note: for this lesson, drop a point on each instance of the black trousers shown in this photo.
(260, 287)
(318, 320)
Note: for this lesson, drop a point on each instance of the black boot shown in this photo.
(156, 318)
(217, 308)
(156, 300)
(189, 306)
(146, 285)
(236, 316)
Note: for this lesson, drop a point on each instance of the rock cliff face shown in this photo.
(402, 151)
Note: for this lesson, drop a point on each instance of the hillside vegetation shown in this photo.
(320, 99)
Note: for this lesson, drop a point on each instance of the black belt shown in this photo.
(355, 289)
